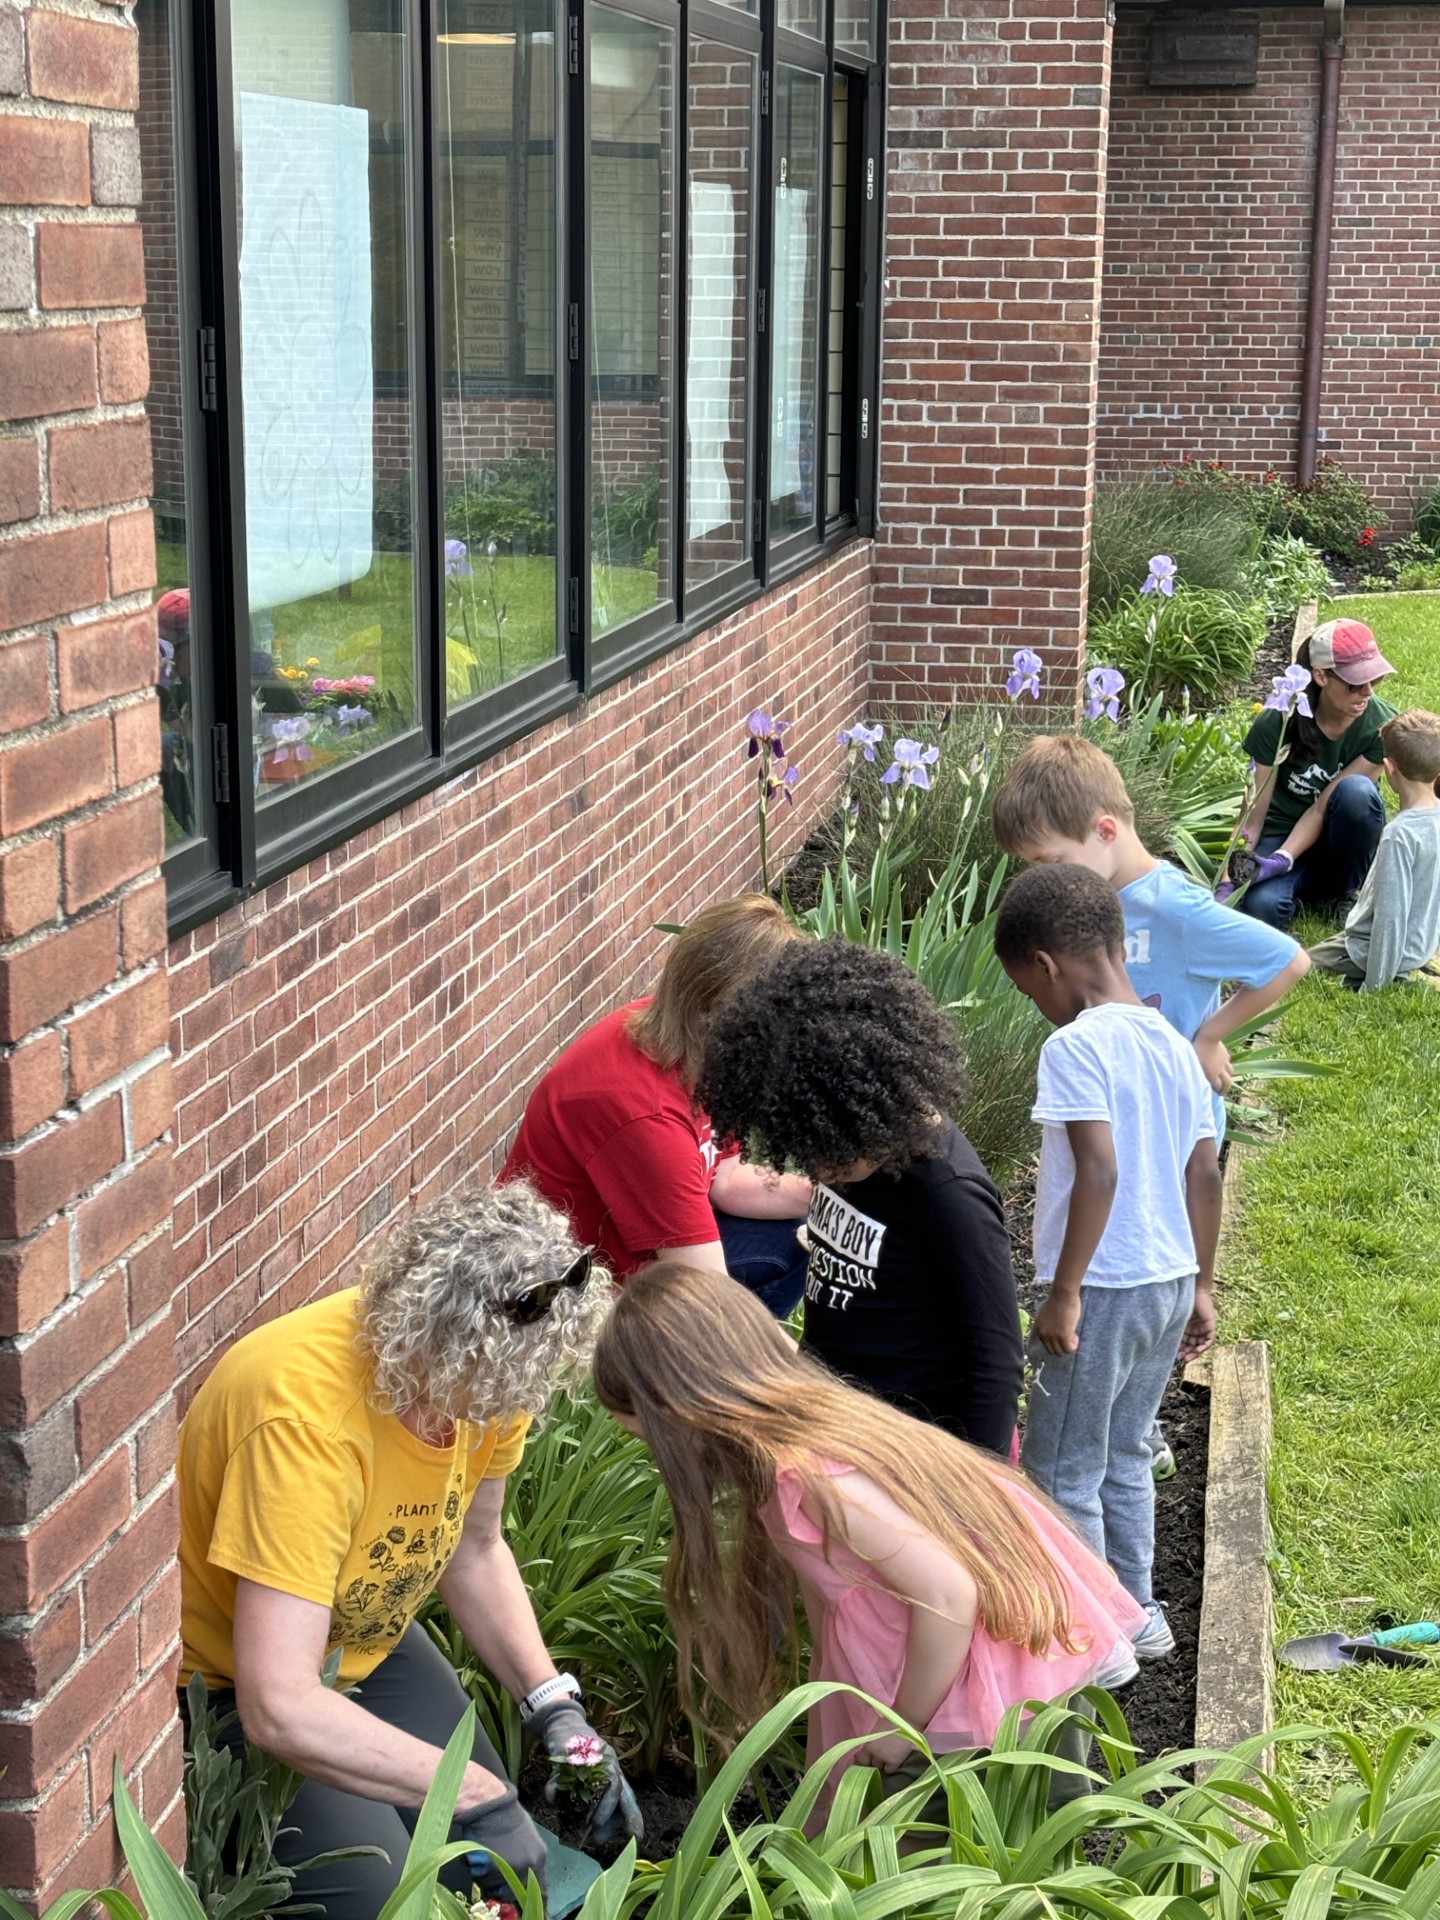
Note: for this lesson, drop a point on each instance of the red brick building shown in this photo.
(495, 491)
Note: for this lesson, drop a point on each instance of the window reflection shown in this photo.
(495, 105)
(795, 332)
(632, 120)
(323, 163)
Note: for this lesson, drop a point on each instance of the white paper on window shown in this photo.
(709, 356)
(306, 344)
(792, 297)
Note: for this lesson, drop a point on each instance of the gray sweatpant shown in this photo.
(1090, 1411)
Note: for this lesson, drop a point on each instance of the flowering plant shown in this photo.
(774, 778)
(1025, 671)
(493, 1910)
(582, 1769)
(1106, 684)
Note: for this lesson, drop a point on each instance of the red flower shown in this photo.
(1367, 536)
(1270, 478)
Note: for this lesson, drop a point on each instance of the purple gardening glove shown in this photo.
(1272, 865)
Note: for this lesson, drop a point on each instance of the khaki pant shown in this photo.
(1332, 956)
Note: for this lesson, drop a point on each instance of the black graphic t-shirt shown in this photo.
(910, 1292)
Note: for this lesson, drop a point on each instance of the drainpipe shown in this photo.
(1332, 51)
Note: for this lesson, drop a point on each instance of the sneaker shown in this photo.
(1162, 1460)
(1154, 1640)
(1122, 1673)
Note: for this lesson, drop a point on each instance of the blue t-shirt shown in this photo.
(1182, 945)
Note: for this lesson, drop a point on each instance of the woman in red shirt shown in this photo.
(612, 1134)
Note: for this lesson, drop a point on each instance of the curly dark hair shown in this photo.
(833, 1055)
(1057, 908)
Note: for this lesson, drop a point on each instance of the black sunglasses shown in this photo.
(532, 1305)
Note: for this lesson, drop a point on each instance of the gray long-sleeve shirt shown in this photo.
(1394, 926)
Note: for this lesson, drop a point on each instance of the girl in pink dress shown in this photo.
(935, 1578)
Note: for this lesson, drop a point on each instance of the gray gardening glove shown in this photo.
(501, 1829)
(614, 1812)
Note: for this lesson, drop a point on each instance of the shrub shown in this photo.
(1334, 513)
(1285, 572)
(1427, 515)
(512, 502)
(1198, 643)
(1419, 576)
(1209, 531)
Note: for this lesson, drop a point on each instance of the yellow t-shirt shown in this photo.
(291, 1478)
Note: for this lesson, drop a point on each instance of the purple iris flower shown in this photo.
(766, 730)
(861, 739)
(168, 676)
(1025, 671)
(288, 732)
(781, 784)
(908, 766)
(1106, 684)
(1291, 688)
(348, 717)
(457, 565)
(1161, 578)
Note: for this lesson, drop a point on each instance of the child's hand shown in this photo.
(1057, 1324)
(1199, 1333)
(1214, 1058)
(887, 1752)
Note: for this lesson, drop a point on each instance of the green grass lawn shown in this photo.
(1335, 1260)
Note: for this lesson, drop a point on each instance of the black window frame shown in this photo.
(230, 859)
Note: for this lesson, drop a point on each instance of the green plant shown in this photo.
(1192, 647)
(627, 519)
(1210, 533)
(1427, 515)
(1334, 513)
(1419, 576)
(235, 1807)
(1285, 572)
(511, 502)
(589, 1524)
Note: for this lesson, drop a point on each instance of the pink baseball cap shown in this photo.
(1347, 647)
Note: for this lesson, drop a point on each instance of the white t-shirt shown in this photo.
(1126, 1065)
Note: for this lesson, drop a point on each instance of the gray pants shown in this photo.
(1334, 957)
(1090, 1412)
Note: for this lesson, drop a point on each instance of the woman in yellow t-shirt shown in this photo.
(338, 1466)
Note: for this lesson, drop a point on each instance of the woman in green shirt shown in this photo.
(1317, 814)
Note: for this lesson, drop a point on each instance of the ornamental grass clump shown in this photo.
(1210, 532)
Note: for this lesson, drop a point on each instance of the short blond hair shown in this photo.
(1058, 785)
(726, 945)
(1412, 741)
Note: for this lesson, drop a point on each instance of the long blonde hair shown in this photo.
(724, 946)
(724, 1398)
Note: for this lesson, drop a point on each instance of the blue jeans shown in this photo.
(766, 1257)
(1335, 867)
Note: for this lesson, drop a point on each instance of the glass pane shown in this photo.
(794, 333)
(854, 26)
(159, 220)
(632, 132)
(717, 349)
(322, 126)
(495, 105)
(801, 16)
(836, 316)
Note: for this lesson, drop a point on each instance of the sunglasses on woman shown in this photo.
(532, 1305)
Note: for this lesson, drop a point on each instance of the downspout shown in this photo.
(1332, 51)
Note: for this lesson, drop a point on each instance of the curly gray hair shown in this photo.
(432, 1321)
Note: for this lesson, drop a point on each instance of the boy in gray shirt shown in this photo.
(1394, 927)
(1127, 1215)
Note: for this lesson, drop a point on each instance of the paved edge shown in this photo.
(1235, 1673)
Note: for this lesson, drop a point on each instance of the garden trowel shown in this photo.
(1393, 1646)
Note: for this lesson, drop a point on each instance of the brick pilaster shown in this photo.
(994, 228)
(88, 1595)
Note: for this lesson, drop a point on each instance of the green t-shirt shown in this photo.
(1305, 774)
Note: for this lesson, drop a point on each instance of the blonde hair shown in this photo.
(432, 1318)
(724, 946)
(1058, 785)
(723, 1398)
(1412, 741)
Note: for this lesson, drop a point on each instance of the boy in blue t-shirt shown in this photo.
(1064, 801)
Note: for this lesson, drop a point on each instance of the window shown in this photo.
(496, 345)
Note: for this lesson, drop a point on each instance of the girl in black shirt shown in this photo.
(837, 1064)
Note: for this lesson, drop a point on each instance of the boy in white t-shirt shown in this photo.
(1127, 1217)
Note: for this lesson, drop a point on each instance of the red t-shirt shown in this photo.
(613, 1139)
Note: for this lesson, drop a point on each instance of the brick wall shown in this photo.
(364, 1032)
(1207, 254)
(998, 115)
(87, 1617)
